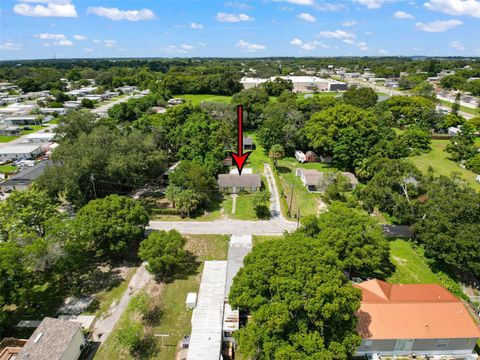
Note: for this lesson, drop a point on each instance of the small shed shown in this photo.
(227, 161)
(311, 156)
(191, 301)
(248, 143)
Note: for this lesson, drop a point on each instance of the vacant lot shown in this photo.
(437, 158)
(195, 99)
(208, 247)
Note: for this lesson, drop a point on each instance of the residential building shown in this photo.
(248, 143)
(51, 111)
(235, 183)
(22, 120)
(312, 179)
(24, 179)
(10, 130)
(72, 104)
(18, 109)
(167, 173)
(10, 348)
(54, 339)
(20, 151)
(40, 137)
(175, 101)
(207, 319)
(407, 319)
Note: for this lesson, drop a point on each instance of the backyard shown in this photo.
(8, 138)
(197, 99)
(437, 158)
(167, 302)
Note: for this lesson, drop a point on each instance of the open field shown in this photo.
(196, 99)
(258, 239)
(410, 267)
(244, 208)
(437, 158)
(7, 168)
(208, 247)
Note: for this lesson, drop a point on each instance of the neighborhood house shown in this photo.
(234, 183)
(20, 151)
(406, 319)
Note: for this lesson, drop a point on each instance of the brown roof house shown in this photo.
(318, 181)
(421, 319)
(54, 339)
(234, 183)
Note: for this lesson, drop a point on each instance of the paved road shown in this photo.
(104, 326)
(274, 197)
(227, 226)
(391, 91)
(104, 108)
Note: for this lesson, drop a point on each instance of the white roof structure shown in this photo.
(25, 148)
(47, 136)
(238, 248)
(207, 319)
(244, 171)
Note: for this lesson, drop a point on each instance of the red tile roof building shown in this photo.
(413, 319)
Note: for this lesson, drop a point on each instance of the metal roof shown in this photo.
(412, 311)
(207, 319)
(26, 176)
(25, 148)
(245, 180)
(238, 248)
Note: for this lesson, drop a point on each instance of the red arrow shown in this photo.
(240, 157)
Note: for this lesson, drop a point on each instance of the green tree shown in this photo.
(424, 89)
(111, 227)
(356, 238)
(302, 306)
(362, 97)
(276, 153)
(453, 82)
(347, 133)
(87, 103)
(473, 163)
(25, 211)
(415, 140)
(394, 189)
(253, 101)
(261, 203)
(164, 252)
(449, 224)
(277, 86)
(456, 104)
(462, 146)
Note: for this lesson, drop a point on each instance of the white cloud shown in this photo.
(455, 7)
(348, 41)
(233, 18)
(196, 26)
(63, 43)
(88, 49)
(370, 4)
(438, 26)
(109, 43)
(362, 46)
(457, 45)
(308, 46)
(79, 37)
(403, 15)
(296, 42)
(383, 52)
(201, 44)
(337, 34)
(298, 2)
(53, 8)
(321, 6)
(349, 23)
(47, 36)
(179, 49)
(237, 5)
(10, 46)
(97, 41)
(246, 46)
(117, 14)
(307, 17)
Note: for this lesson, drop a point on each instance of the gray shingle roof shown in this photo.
(56, 338)
(245, 180)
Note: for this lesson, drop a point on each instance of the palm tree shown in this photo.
(276, 153)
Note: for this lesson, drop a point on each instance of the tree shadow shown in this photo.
(183, 270)
(283, 170)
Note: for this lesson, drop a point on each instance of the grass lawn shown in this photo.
(437, 158)
(244, 208)
(214, 213)
(106, 298)
(410, 267)
(8, 169)
(195, 99)
(8, 138)
(208, 247)
(257, 239)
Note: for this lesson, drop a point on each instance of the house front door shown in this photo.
(404, 345)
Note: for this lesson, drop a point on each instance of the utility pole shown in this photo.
(290, 205)
(92, 179)
(298, 218)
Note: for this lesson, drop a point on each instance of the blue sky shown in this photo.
(33, 29)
